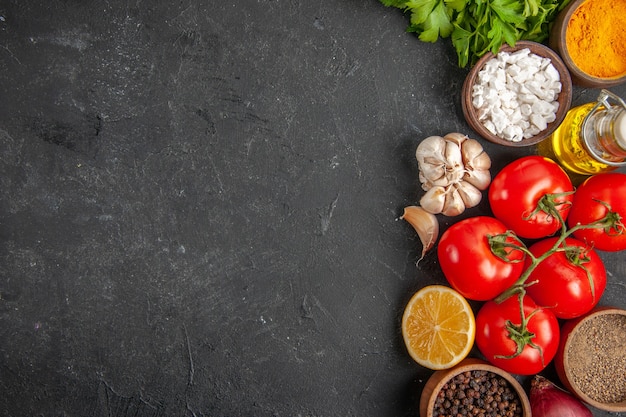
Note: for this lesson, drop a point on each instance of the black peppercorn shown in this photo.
(477, 394)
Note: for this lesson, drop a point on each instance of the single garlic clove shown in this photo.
(480, 178)
(431, 151)
(433, 160)
(426, 184)
(455, 169)
(470, 195)
(425, 224)
(453, 155)
(456, 137)
(481, 162)
(434, 200)
(474, 156)
(453, 205)
(433, 172)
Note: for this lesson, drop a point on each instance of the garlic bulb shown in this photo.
(453, 170)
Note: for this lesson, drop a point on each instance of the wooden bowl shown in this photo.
(557, 41)
(439, 379)
(564, 98)
(573, 331)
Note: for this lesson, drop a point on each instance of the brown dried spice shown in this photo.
(599, 349)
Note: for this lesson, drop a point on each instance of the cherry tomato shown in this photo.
(590, 204)
(469, 264)
(564, 279)
(496, 343)
(516, 190)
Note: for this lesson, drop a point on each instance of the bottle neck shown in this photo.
(604, 134)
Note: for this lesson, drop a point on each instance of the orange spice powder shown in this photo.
(596, 37)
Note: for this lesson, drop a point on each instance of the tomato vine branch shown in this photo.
(502, 245)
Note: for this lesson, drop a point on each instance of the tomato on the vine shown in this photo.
(569, 281)
(498, 335)
(469, 263)
(518, 189)
(601, 196)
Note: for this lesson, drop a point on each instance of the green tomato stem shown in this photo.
(502, 247)
(549, 204)
(520, 333)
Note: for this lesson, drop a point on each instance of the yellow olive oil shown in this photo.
(567, 146)
(591, 139)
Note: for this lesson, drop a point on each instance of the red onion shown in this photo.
(548, 400)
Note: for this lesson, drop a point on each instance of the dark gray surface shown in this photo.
(199, 204)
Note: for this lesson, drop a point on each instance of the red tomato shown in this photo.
(469, 264)
(609, 188)
(494, 340)
(562, 283)
(516, 190)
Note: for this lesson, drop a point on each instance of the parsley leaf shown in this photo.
(436, 23)
(420, 10)
(461, 42)
(510, 11)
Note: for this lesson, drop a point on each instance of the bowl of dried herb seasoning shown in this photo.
(473, 387)
(591, 360)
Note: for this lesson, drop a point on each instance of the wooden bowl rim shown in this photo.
(564, 99)
(602, 311)
(439, 378)
(559, 43)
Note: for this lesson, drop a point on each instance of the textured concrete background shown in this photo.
(199, 204)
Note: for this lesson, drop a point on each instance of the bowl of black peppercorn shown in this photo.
(473, 387)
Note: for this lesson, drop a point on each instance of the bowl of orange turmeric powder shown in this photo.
(590, 37)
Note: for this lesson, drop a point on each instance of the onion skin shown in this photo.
(548, 400)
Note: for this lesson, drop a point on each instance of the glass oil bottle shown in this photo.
(591, 139)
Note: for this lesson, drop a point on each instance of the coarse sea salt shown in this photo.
(515, 94)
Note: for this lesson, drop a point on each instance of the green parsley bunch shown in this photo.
(479, 26)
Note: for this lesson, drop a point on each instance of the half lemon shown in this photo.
(438, 327)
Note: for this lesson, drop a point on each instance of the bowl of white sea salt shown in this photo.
(518, 96)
